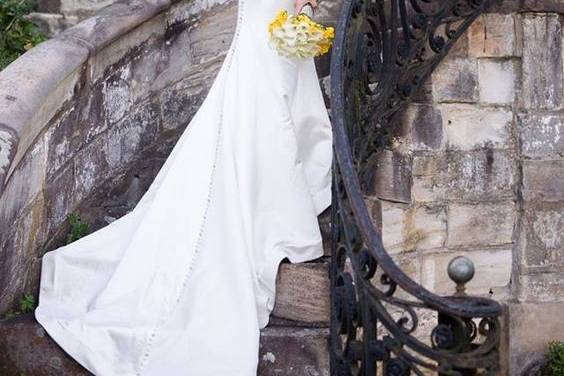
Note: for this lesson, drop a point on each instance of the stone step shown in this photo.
(291, 351)
(26, 349)
(302, 293)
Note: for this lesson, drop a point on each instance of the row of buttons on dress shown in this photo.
(153, 334)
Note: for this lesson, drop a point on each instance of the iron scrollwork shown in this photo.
(383, 322)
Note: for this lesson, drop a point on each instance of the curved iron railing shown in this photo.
(383, 322)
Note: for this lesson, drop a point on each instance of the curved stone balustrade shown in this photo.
(88, 118)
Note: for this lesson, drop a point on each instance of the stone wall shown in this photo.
(88, 118)
(478, 170)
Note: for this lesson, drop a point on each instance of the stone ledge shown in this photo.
(288, 351)
(26, 85)
(302, 292)
(111, 22)
(26, 348)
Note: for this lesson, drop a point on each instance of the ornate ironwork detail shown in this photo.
(382, 322)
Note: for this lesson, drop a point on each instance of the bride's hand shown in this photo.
(299, 4)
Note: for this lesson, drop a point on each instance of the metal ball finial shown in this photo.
(460, 270)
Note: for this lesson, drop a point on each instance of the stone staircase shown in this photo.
(295, 342)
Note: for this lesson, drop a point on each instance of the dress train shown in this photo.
(183, 283)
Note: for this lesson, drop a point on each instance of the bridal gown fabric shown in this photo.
(182, 284)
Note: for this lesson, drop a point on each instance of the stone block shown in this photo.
(8, 145)
(302, 292)
(541, 135)
(483, 224)
(542, 86)
(493, 272)
(542, 236)
(477, 175)
(531, 327)
(392, 177)
(393, 223)
(26, 348)
(497, 81)
(425, 127)
(117, 95)
(211, 35)
(60, 197)
(287, 351)
(543, 180)
(470, 127)
(541, 287)
(64, 139)
(410, 264)
(456, 80)
(24, 185)
(406, 228)
(495, 35)
(125, 141)
(180, 102)
(91, 168)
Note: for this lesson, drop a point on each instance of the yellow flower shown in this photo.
(299, 36)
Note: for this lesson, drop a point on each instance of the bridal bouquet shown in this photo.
(299, 36)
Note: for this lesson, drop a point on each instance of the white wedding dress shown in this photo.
(182, 284)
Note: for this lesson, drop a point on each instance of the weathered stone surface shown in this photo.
(542, 236)
(8, 145)
(477, 175)
(302, 292)
(81, 126)
(425, 127)
(23, 187)
(493, 272)
(542, 62)
(19, 271)
(541, 5)
(406, 228)
(25, 347)
(52, 24)
(541, 287)
(470, 127)
(495, 35)
(180, 102)
(541, 135)
(480, 225)
(288, 351)
(531, 328)
(456, 80)
(111, 23)
(497, 81)
(34, 88)
(543, 180)
(393, 223)
(82, 8)
(392, 178)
